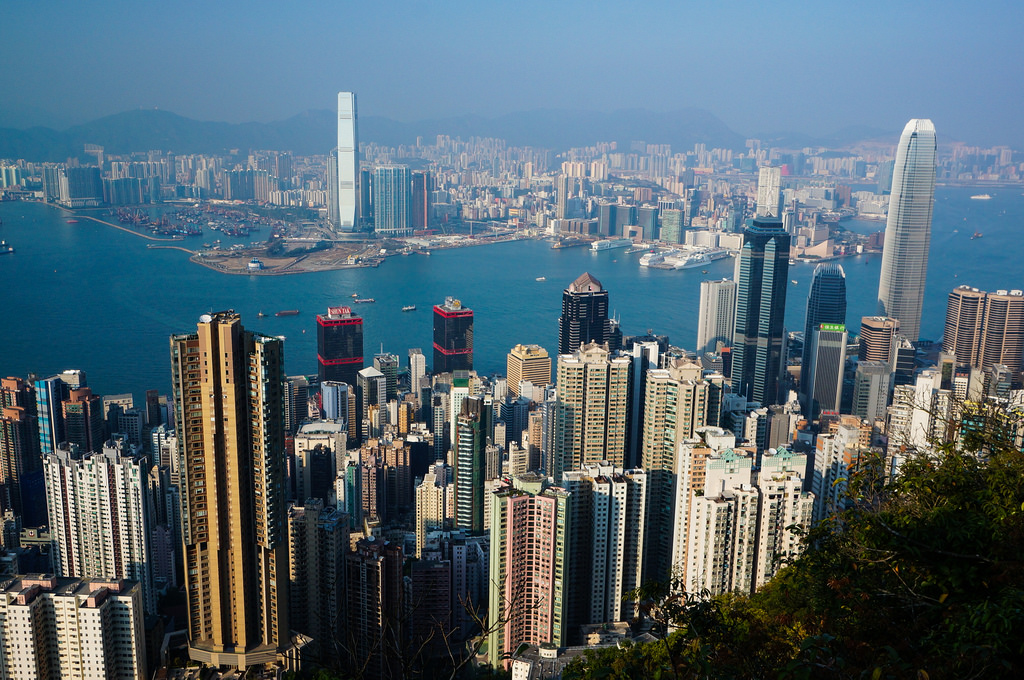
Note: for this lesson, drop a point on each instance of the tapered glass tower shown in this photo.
(909, 228)
(760, 308)
(826, 303)
(348, 163)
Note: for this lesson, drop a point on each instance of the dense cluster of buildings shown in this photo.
(387, 515)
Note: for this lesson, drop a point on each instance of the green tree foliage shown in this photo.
(923, 576)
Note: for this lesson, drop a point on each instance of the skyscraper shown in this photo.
(985, 329)
(769, 192)
(339, 345)
(584, 315)
(825, 363)
(760, 307)
(472, 425)
(228, 397)
(717, 318)
(877, 338)
(348, 163)
(392, 201)
(908, 230)
(528, 362)
(826, 303)
(421, 190)
(453, 337)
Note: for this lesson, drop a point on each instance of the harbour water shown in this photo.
(88, 296)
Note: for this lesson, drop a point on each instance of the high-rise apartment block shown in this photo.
(72, 628)
(531, 567)
(760, 311)
(375, 609)
(348, 175)
(229, 407)
(609, 508)
(986, 329)
(339, 345)
(318, 544)
(19, 450)
(435, 503)
(528, 362)
(584, 316)
(717, 319)
(592, 409)
(908, 228)
(99, 514)
(453, 337)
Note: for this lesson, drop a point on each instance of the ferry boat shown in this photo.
(288, 312)
(687, 261)
(656, 258)
(610, 243)
(976, 234)
(364, 300)
(409, 308)
(541, 278)
(980, 197)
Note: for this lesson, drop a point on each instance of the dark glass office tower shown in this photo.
(585, 316)
(760, 310)
(826, 303)
(453, 337)
(339, 345)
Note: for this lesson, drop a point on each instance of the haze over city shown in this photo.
(813, 69)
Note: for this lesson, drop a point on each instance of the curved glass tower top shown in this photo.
(909, 228)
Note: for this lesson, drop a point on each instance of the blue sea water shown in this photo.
(92, 297)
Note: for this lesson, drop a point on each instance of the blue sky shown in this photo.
(760, 66)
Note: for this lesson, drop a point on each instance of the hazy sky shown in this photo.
(759, 66)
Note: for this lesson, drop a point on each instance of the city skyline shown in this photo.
(959, 88)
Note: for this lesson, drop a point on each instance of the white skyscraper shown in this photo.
(909, 228)
(769, 192)
(717, 314)
(348, 163)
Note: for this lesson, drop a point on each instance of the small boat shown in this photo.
(287, 312)
(703, 271)
(364, 300)
(409, 308)
(793, 282)
(261, 314)
(71, 221)
(6, 249)
(976, 234)
(355, 295)
(541, 278)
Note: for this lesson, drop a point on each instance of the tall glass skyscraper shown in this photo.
(908, 230)
(826, 303)
(760, 309)
(584, 316)
(348, 163)
(392, 200)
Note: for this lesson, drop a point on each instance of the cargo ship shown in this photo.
(288, 312)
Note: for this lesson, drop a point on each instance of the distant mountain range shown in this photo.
(313, 132)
